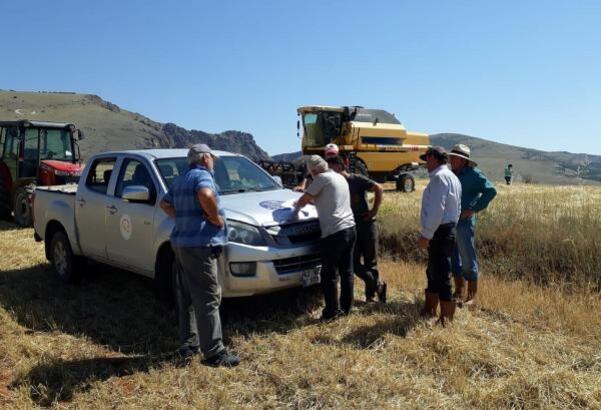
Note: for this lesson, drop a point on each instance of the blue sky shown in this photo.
(519, 72)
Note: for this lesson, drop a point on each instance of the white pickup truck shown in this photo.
(112, 216)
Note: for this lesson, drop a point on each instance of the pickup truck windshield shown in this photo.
(232, 174)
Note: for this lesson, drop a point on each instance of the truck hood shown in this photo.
(267, 208)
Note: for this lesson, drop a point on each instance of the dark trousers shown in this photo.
(365, 256)
(440, 251)
(337, 260)
(198, 298)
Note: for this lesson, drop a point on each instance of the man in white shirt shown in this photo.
(329, 192)
(441, 206)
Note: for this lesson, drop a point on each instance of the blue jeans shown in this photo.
(464, 261)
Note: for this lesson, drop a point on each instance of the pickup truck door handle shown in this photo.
(112, 209)
(81, 201)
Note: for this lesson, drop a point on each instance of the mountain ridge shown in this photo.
(110, 127)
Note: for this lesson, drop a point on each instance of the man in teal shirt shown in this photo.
(477, 192)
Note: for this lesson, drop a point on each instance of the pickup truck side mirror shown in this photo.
(136, 193)
(80, 135)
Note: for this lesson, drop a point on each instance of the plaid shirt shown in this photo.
(192, 228)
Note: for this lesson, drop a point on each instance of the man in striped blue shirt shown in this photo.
(197, 239)
(441, 204)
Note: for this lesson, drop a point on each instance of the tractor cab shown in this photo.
(34, 153)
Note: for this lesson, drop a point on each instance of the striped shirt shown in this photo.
(192, 228)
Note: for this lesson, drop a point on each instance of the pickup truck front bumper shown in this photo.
(276, 268)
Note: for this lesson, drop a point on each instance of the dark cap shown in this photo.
(201, 149)
(437, 152)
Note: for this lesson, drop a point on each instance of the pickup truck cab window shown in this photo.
(133, 172)
(100, 175)
(233, 174)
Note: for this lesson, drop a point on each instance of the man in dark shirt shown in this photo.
(365, 255)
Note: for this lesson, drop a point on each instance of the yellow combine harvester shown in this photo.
(374, 141)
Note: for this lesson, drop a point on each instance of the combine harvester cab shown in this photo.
(34, 153)
(373, 141)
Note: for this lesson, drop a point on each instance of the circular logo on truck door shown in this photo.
(125, 227)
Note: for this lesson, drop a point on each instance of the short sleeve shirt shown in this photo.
(192, 228)
(333, 202)
(358, 186)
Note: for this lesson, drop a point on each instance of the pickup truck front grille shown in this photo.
(298, 233)
(297, 263)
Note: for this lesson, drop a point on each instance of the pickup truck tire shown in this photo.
(4, 200)
(22, 208)
(66, 265)
(405, 183)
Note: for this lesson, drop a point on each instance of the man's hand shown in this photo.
(423, 243)
(298, 188)
(466, 214)
(167, 208)
(218, 222)
(369, 215)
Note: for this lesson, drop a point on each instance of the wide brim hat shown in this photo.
(438, 152)
(463, 151)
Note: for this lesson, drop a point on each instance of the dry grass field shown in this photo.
(533, 341)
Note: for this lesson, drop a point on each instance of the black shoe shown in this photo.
(328, 317)
(382, 289)
(187, 352)
(224, 359)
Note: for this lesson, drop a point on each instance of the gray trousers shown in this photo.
(198, 298)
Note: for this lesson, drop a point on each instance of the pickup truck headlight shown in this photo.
(243, 233)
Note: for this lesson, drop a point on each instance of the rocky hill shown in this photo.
(530, 165)
(109, 127)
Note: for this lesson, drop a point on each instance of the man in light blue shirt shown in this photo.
(441, 205)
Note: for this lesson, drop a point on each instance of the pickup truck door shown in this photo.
(90, 205)
(130, 225)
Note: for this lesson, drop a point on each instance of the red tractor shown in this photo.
(34, 153)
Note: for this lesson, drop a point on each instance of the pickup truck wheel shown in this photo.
(65, 264)
(405, 183)
(22, 208)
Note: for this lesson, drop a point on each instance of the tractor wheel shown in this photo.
(4, 200)
(22, 208)
(359, 167)
(66, 265)
(405, 183)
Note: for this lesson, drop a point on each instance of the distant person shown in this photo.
(476, 193)
(441, 202)
(365, 254)
(197, 240)
(331, 150)
(509, 174)
(329, 192)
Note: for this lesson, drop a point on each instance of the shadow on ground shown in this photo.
(119, 311)
(400, 318)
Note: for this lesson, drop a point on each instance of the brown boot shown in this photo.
(472, 289)
(447, 312)
(430, 306)
(459, 283)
